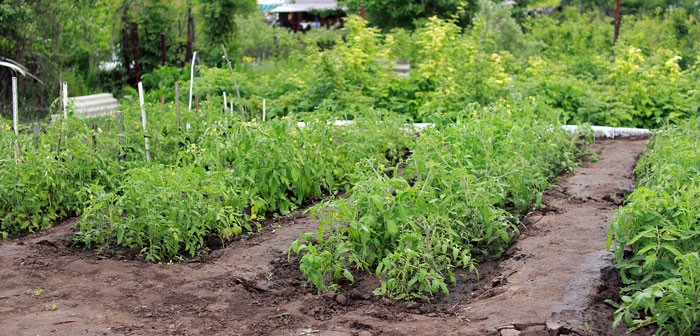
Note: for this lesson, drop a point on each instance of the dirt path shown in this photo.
(554, 273)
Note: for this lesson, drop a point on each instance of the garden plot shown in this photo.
(249, 288)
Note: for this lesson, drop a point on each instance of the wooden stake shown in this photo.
(264, 108)
(94, 135)
(177, 103)
(120, 131)
(235, 83)
(143, 123)
(60, 87)
(163, 48)
(35, 130)
(225, 104)
(15, 116)
(194, 57)
(617, 22)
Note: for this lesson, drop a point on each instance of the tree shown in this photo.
(48, 37)
(495, 29)
(218, 24)
(144, 26)
(388, 14)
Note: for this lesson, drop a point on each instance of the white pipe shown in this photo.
(143, 123)
(15, 112)
(15, 116)
(65, 100)
(609, 132)
(194, 56)
(598, 131)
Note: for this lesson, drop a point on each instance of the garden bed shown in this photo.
(554, 273)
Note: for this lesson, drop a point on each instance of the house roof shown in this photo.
(306, 5)
(268, 5)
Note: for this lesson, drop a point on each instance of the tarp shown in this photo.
(306, 6)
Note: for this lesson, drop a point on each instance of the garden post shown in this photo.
(143, 123)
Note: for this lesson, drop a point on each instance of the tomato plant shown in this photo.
(660, 226)
(457, 202)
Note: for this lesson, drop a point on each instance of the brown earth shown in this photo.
(556, 275)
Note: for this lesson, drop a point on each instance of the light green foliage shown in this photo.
(452, 72)
(457, 202)
(571, 34)
(647, 83)
(36, 292)
(543, 3)
(660, 225)
(647, 91)
(565, 62)
(495, 30)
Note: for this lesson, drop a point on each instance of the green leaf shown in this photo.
(677, 253)
(348, 276)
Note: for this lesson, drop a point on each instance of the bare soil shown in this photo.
(552, 281)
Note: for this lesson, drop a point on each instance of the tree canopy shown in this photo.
(388, 14)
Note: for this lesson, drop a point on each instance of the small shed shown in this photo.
(304, 15)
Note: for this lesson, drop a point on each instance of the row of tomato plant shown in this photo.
(456, 201)
(211, 177)
(43, 182)
(226, 180)
(656, 236)
(40, 182)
